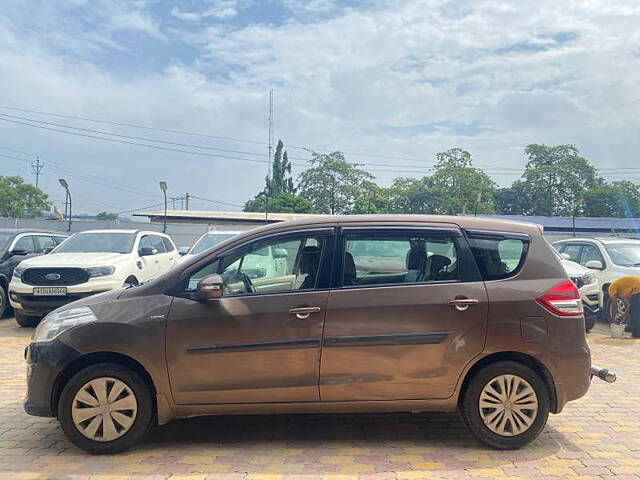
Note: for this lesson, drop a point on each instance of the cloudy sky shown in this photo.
(389, 82)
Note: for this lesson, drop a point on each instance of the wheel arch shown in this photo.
(130, 278)
(89, 359)
(523, 358)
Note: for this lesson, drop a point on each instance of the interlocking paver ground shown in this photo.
(597, 437)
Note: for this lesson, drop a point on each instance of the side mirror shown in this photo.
(566, 256)
(183, 251)
(48, 250)
(280, 253)
(18, 251)
(147, 251)
(209, 287)
(594, 265)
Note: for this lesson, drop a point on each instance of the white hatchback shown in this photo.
(87, 263)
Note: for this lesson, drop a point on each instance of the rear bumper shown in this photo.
(572, 376)
(45, 362)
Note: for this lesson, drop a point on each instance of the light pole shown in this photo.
(163, 187)
(65, 185)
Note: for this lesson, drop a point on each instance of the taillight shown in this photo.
(562, 300)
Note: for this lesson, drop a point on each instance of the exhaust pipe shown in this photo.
(608, 376)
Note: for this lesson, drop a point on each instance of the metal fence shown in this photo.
(182, 234)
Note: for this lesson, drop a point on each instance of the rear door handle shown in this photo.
(463, 303)
(304, 312)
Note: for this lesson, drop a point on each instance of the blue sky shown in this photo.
(391, 82)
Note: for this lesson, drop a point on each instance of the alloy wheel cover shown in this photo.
(508, 405)
(104, 409)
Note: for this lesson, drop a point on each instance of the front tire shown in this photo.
(506, 405)
(105, 408)
(3, 301)
(26, 320)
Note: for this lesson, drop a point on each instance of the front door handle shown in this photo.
(463, 303)
(304, 312)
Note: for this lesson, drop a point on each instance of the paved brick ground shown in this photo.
(597, 437)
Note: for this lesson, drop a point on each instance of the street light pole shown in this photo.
(65, 185)
(163, 187)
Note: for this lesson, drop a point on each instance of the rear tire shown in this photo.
(26, 320)
(120, 416)
(511, 418)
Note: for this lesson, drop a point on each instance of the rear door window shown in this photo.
(498, 255)
(398, 258)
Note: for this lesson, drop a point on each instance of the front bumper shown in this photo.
(40, 305)
(45, 363)
(21, 295)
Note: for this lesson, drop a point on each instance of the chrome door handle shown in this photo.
(304, 312)
(462, 304)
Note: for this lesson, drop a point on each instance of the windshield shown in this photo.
(5, 238)
(210, 240)
(98, 242)
(624, 254)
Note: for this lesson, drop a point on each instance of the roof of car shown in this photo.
(30, 230)
(378, 220)
(601, 239)
(122, 231)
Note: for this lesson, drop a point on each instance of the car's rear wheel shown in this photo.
(506, 405)
(105, 408)
(26, 320)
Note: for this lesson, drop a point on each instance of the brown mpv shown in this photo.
(333, 314)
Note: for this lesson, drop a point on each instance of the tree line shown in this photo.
(557, 181)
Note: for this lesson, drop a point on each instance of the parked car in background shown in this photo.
(208, 240)
(17, 245)
(84, 264)
(608, 257)
(482, 318)
(588, 286)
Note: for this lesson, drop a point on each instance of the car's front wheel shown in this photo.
(105, 408)
(506, 405)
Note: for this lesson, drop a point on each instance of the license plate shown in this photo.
(50, 291)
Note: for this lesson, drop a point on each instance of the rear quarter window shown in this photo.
(498, 256)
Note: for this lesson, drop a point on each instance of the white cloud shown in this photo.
(406, 78)
(220, 9)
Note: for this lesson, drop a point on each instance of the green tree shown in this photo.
(332, 184)
(281, 180)
(511, 200)
(460, 187)
(106, 216)
(376, 199)
(21, 200)
(555, 179)
(618, 199)
(412, 195)
(281, 203)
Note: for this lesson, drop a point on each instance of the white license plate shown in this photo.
(50, 291)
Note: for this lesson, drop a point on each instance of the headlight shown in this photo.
(100, 271)
(18, 271)
(57, 322)
(589, 278)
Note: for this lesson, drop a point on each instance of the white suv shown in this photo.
(84, 264)
(608, 257)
